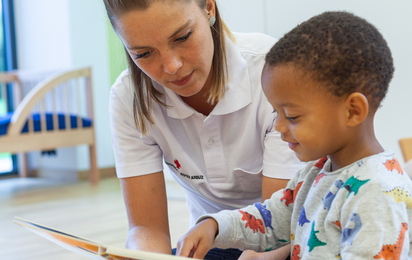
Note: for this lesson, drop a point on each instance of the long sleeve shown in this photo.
(261, 226)
(361, 211)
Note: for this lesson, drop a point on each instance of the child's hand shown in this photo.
(198, 240)
(249, 255)
(278, 254)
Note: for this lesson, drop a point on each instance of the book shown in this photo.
(90, 248)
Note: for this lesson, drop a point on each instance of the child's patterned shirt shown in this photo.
(361, 211)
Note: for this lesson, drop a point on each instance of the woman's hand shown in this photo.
(198, 240)
(146, 207)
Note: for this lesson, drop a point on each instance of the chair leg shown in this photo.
(23, 168)
(94, 170)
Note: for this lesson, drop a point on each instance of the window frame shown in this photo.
(10, 57)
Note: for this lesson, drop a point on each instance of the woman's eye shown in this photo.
(184, 38)
(139, 56)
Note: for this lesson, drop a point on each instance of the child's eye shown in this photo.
(143, 55)
(291, 118)
(184, 38)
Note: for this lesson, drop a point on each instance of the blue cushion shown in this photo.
(5, 121)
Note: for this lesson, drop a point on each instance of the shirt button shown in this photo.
(211, 142)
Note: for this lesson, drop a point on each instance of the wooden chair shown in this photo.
(406, 147)
(64, 89)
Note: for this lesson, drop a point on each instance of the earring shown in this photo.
(212, 21)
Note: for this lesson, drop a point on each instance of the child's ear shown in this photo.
(357, 108)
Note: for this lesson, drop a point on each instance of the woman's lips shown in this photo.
(183, 81)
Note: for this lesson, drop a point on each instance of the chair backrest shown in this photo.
(406, 147)
(68, 91)
(9, 81)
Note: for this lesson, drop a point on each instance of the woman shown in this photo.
(192, 96)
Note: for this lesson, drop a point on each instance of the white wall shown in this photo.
(42, 34)
(64, 34)
(89, 47)
(392, 18)
(244, 15)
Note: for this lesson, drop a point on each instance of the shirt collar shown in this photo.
(237, 93)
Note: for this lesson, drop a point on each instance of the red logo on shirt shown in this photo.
(177, 164)
(177, 167)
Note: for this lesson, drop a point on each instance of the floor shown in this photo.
(93, 212)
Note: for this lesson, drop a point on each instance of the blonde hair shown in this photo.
(144, 92)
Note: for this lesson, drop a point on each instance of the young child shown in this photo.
(325, 80)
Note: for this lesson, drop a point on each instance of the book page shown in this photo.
(75, 244)
(89, 248)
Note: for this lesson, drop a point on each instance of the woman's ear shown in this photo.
(357, 108)
(210, 8)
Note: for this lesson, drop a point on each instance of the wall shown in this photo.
(61, 34)
(89, 47)
(42, 34)
(392, 18)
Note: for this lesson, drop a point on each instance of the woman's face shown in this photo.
(171, 41)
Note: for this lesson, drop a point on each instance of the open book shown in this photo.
(89, 248)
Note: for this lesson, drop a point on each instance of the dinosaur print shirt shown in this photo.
(361, 211)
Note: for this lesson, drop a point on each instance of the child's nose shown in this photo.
(280, 125)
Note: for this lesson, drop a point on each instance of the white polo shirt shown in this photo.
(218, 159)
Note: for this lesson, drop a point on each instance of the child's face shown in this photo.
(311, 120)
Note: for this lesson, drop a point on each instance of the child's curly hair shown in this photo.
(344, 51)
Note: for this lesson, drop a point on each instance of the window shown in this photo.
(7, 62)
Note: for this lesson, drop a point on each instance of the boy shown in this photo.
(325, 80)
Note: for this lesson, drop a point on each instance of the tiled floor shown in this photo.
(93, 212)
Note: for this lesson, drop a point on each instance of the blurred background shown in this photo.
(52, 34)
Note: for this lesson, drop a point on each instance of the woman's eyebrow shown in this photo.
(173, 35)
(137, 47)
(180, 28)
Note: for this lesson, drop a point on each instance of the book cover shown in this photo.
(90, 248)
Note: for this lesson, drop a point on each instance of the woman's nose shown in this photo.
(171, 62)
